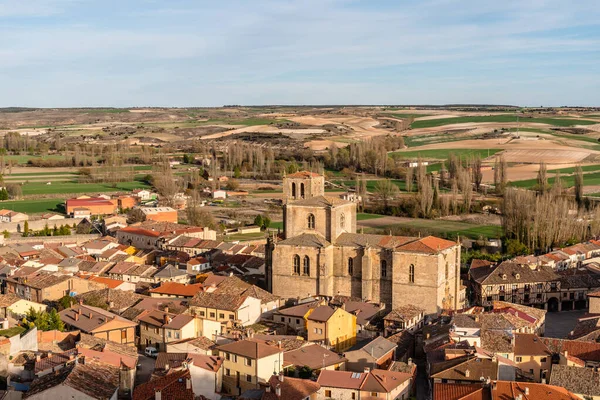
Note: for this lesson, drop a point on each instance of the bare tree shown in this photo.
(578, 185)
(476, 171)
(165, 182)
(409, 178)
(425, 196)
(500, 174)
(386, 190)
(542, 178)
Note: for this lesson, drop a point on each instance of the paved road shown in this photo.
(144, 370)
(559, 324)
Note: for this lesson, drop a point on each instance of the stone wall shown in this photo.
(39, 224)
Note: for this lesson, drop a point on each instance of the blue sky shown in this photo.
(70, 53)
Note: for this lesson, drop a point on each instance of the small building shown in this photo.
(176, 290)
(315, 357)
(335, 328)
(100, 323)
(226, 307)
(49, 287)
(95, 206)
(13, 216)
(378, 353)
(378, 383)
(157, 328)
(295, 317)
(408, 317)
(177, 385)
(219, 194)
(160, 214)
(82, 381)
(247, 364)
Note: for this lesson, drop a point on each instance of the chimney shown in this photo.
(467, 373)
(166, 367)
(278, 390)
(111, 304)
(188, 383)
(281, 376)
(76, 316)
(494, 385)
(279, 344)
(157, 395)
(38, 357)
(91, 315)
(166, 318)
(367, 370)
(50, 354)
(268, 389)
(566, 354)
(526, 391)
(80, 302)
(71, 357)
(167, 309)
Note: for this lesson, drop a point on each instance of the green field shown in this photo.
(570, 170)
(366, 216)
(443, 154)
(23, 159)
(591, 179)
(450, 229)
(75, 187)
(276, 225)
(34, 174)
(409, 115)
(34, 206)
(508, 118)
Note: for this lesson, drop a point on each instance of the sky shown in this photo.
(183, 53)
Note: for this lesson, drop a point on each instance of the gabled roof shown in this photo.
(510, 390)
(581, 381)
(313, 356)
(404, 313)
(376, 380)
(99, 381)
(586, 351)
(172, 386)
(91, 319)
(458, 391)
(321, 314)
(530, 345)
(306, 240)
(291, 388)
(249, 348)
(509, 273)
(178, 289)
(466, 369)
(375, 349)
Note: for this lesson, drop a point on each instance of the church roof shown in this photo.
(303, 174)
(306, 240)
(320, 201)
(428, 244)
(364, 240)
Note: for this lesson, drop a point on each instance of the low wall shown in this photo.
(38, 225)
(52, 239)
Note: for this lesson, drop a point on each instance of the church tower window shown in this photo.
(383, 268)
(342, 220)
(311, 221)
(302, 190)
(296, 263)
(350, 266)
(411, 273)
(306, 269)
(293, 190)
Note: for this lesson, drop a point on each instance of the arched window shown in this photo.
(311, 221)
(411, 273)
(350, 266)
(293, 190)
(296, 263)
(306, 269)
(383, 268)
(302, 190)
(342, 220)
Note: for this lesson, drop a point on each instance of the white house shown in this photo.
(219, 194)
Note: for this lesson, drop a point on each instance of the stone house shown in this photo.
(408, 317)
(532, 356)
(315, 357)
(226, 308)
(157, 328)
(295, 317)
(48, 287)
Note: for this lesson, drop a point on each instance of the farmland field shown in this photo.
(450, 229)
(34, 206)
(443, 154)
(592, 179)
(508, 118)
(75, 187)
(366, 216)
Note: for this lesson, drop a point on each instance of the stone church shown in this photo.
(321, 254)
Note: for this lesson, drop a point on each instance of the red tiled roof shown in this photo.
(456, 391)
(429, 244)
(178, 289)
(171, 387)
(140, 231)
(110, 283)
